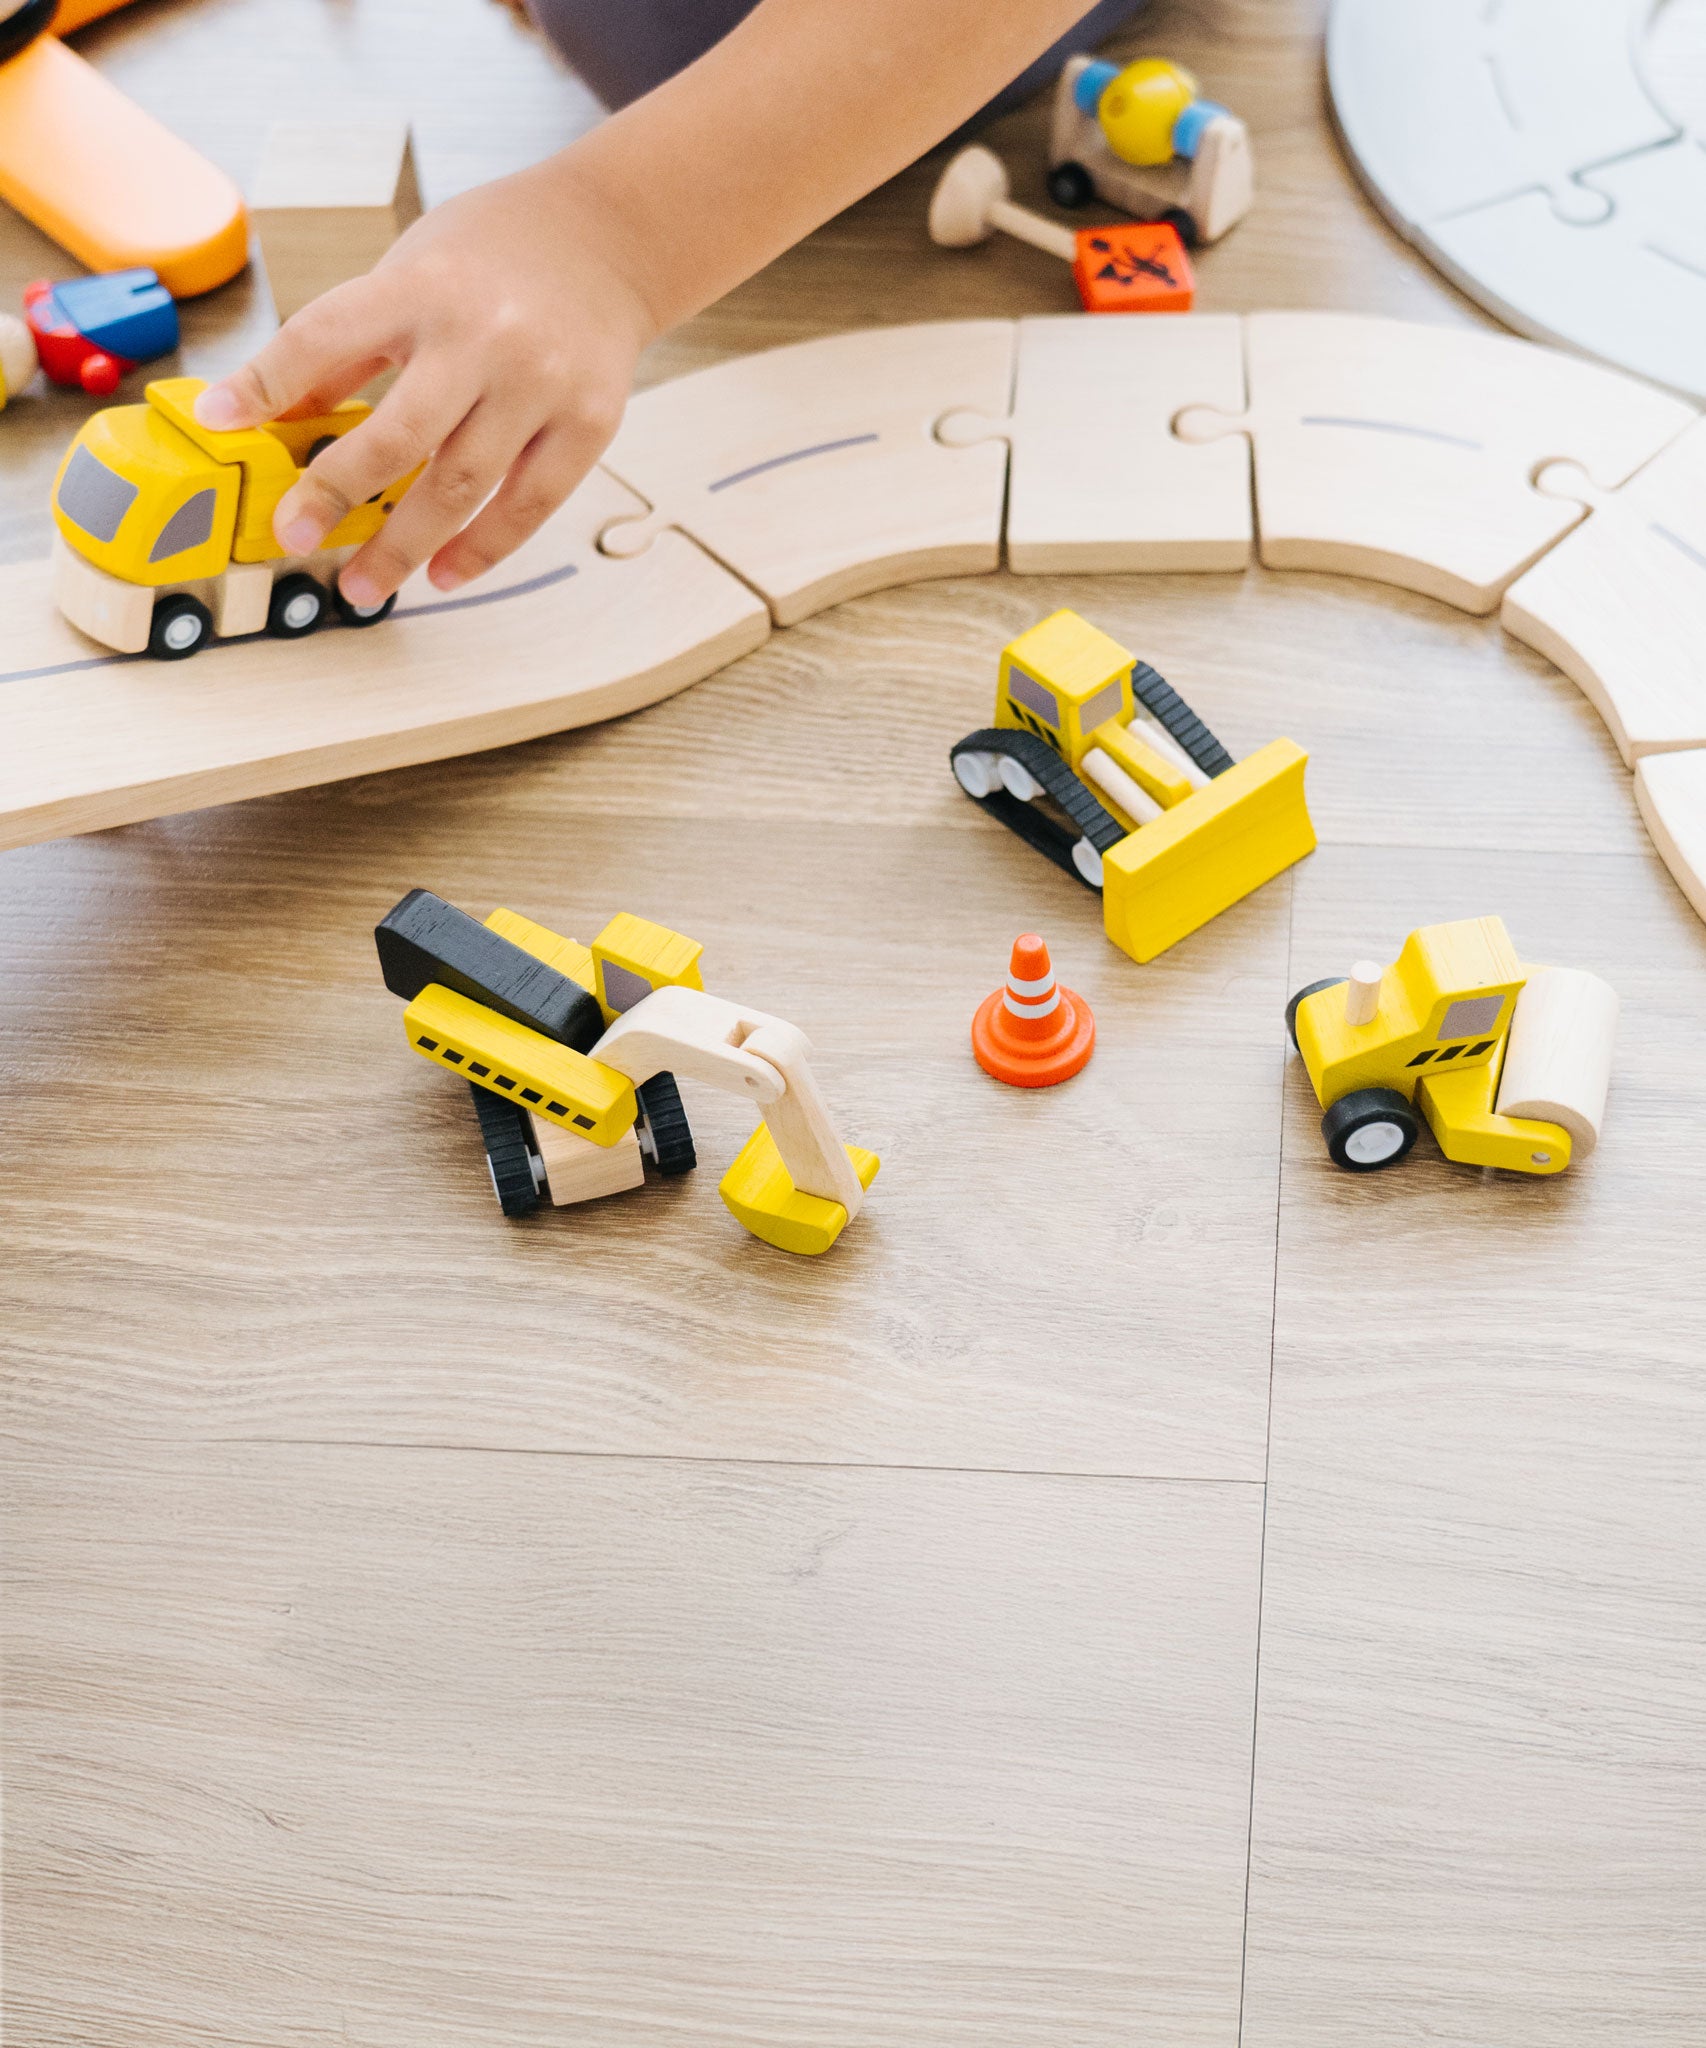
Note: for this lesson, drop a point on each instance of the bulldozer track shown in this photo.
(1170, 711)
(1095, 823)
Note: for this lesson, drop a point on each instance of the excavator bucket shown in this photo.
(761, 1197)
(1175, 873)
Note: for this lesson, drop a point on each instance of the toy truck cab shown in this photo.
(165, 528)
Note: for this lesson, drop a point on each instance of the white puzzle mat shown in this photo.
(1548, 155)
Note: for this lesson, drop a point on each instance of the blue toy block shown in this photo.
(128, 313)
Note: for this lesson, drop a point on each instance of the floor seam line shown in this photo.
(1267, 1488)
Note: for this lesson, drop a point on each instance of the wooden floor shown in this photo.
(1143, 1587)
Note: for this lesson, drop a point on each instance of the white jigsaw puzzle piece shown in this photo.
(813, 471)
(1097, 481)
(1671, 791)
(1407, 453)
(1620, 604)
(1630, 289)
(1453, 104)
(559, 635)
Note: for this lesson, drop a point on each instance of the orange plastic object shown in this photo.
(1137, 266)
(1032, 1032)
(107, 182)
(75, 14)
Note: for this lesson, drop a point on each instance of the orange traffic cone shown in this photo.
(1032, 1033)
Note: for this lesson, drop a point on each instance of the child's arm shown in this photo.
(516, 312)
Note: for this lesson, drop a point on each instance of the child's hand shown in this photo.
(516, 334)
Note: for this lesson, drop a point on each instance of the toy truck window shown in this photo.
(1471, 1017)
(1101, 707)
(623, 988)
(1033, 696)
(189, 527)
(94, 497)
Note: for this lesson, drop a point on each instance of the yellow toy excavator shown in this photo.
(1101, 766)
(1507, 1064)
(572, 1051)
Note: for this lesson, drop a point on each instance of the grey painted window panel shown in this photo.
(94, 497)
(188, 527)
(1032, 695)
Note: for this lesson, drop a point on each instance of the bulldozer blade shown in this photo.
(1163, 881)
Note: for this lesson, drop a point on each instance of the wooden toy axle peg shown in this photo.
(1130, 267)
(972, 199)
(1362, 992)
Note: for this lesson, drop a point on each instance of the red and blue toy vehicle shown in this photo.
(89, 331)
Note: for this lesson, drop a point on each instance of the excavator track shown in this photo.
(1175, 716)
(1094, 823)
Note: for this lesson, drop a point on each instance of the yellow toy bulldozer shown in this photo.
(1101, 766)
(1507, 1064)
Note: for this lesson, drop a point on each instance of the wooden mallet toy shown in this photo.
(1132, 267)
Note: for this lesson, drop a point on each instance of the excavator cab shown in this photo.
(1100, 765)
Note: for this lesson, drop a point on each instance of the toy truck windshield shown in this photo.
(93, 497)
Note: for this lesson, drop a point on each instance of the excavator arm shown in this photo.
(795, 1185)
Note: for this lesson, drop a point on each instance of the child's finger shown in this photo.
(348, 326)
(457, 481)
(539, 479)
(416, 416)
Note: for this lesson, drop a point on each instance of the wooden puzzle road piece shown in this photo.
(1097, 481)
(1406, 453)
(1448, 105)
(1620, 604)
(1671, 791)
(813, 471)
(1629, 288)
(558, 636)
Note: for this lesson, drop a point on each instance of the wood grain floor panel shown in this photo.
(381, 1747)
(1480, 1799)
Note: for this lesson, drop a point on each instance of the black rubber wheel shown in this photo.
(1071, 185)
(356, 615)
(1186, 223)
(665, 1135)
(23, 27)
(318, 448)
(298, 607)
(170, 634)
(1314, 988)
(508, 1139)
(1369, 1129)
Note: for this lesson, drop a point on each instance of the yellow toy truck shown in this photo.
(1508, 1064)
(165, 528)
(1101, 766)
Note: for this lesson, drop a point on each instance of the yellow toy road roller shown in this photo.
(1101, 766)
(1508, 1064)
(165, 528)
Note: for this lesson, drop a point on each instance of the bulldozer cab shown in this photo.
(1445, 1004)
(1060, 681)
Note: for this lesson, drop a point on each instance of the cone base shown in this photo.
(1033, 1063)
